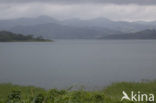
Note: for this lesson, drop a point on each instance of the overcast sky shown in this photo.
(129, 10)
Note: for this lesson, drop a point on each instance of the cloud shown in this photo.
(138, 2)
(116, 12)
(129, 10)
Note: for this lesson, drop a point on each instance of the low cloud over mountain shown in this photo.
(73, 28)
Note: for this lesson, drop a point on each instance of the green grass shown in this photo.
(26, 91)
(111, 94)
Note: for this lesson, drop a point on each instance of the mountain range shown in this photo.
(49, 27)
(145, 34)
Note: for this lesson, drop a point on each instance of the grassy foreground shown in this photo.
(112, 94)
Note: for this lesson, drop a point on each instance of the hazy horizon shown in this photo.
(76, 19)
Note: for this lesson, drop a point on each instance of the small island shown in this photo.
(6, 36)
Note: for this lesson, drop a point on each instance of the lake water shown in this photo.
(93, 63)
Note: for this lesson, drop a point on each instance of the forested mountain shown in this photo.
(6, 36)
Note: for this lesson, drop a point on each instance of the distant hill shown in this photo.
(146, 34)
(8, 24)
(73, 28)
(6, 36)
(53, 30)
(122, 26)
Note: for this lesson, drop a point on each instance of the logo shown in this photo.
(125, 96)
(140, 97)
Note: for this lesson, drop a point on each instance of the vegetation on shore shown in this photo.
(112, 94)
(6, 36)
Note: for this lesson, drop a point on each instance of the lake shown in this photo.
(63, 63)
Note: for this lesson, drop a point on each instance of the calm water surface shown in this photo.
(63, 63)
